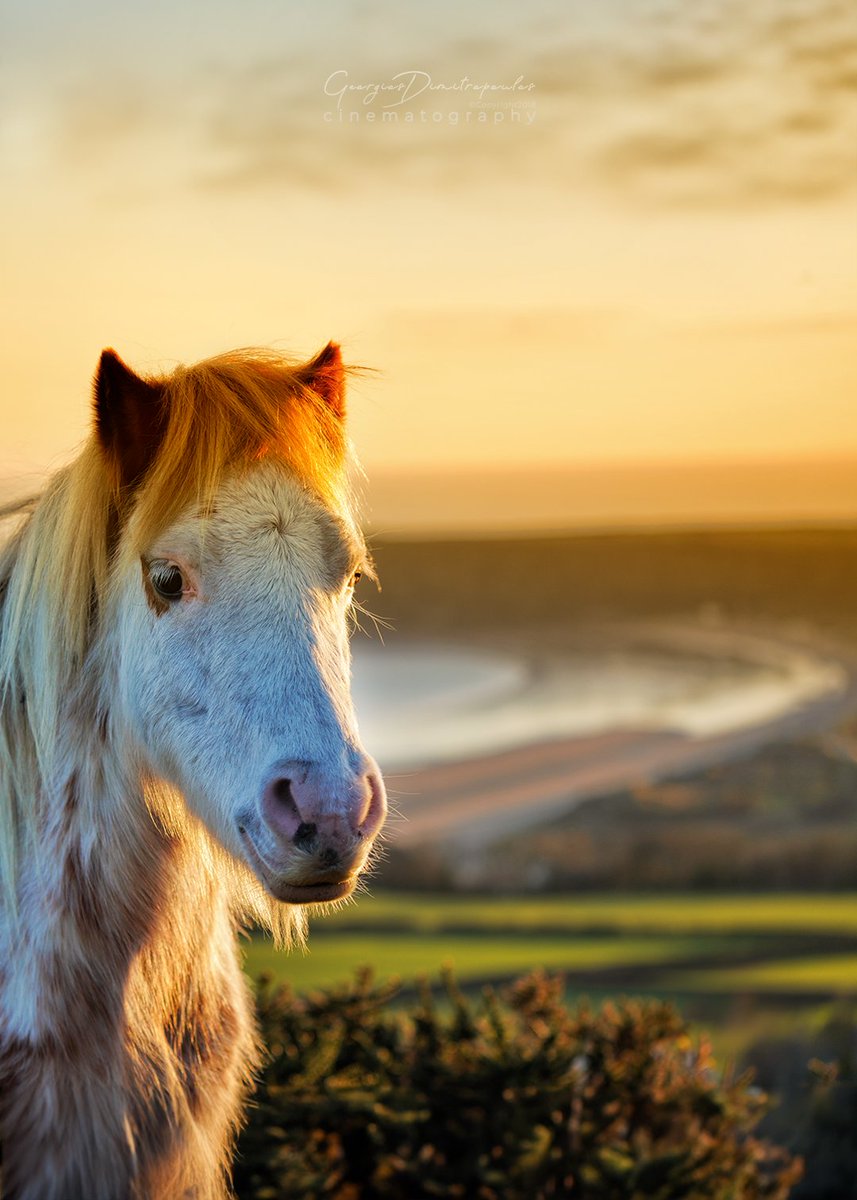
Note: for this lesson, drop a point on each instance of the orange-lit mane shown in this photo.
(228, 411)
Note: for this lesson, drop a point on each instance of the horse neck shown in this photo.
(113, 907)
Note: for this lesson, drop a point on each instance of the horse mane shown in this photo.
(218, 415)
(231, 409)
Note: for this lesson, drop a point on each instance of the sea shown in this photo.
(424, 703)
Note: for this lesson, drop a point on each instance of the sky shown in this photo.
(564, 236)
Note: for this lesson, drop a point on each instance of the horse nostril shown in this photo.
(305, 835)
(282, 791)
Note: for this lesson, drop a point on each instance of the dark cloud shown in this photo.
(711, 158)
(95, 119)
(760, 116)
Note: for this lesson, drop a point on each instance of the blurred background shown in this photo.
(602, 259)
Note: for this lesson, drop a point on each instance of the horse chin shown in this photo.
(321, 890)
(308, 893)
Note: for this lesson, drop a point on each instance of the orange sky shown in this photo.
(657, 260)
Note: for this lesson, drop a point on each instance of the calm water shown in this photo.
(425, 703)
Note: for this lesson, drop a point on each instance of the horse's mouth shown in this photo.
(319, 891)
(313, 893)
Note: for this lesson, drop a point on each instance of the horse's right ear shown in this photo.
(129, 418)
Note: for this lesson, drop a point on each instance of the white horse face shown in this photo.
(234, 678)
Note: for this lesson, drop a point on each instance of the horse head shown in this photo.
(227, 622)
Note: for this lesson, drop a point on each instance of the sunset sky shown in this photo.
(651, 258)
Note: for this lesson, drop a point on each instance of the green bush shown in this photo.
(512, 1099)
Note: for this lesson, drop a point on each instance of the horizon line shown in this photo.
(643, 528)
(666, 462)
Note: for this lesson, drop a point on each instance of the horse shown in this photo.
(179, 758)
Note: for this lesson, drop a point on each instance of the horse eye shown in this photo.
(356, 577)
(168, 582)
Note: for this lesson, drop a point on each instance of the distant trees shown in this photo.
(513, 1098)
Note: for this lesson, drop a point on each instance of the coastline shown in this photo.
(479, 798)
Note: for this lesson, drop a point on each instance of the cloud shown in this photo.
(483, 329)
(719, 103)
(832, 324)
(760, 116)
(97, 118)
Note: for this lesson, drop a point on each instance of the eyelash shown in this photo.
(168, 580)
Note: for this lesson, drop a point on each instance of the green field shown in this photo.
(671, 944)
(834, 973)
(332, 958)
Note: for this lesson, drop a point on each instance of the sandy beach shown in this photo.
(479, 798)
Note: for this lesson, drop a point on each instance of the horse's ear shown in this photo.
(129, 418)
(326, 376)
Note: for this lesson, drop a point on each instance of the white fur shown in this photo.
(126, 1040)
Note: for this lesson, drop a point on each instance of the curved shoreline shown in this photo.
(484, 798)
(424, 704)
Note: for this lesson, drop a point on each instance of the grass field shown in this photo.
(330, 959)
(834, 973)
(675, 943)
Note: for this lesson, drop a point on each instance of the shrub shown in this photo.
(516, 1098)
(815, 1077)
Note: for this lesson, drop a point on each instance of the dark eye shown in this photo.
(168, 581)
(356, 577)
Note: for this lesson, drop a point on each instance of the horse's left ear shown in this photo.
(326, 376)
(129, 418)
